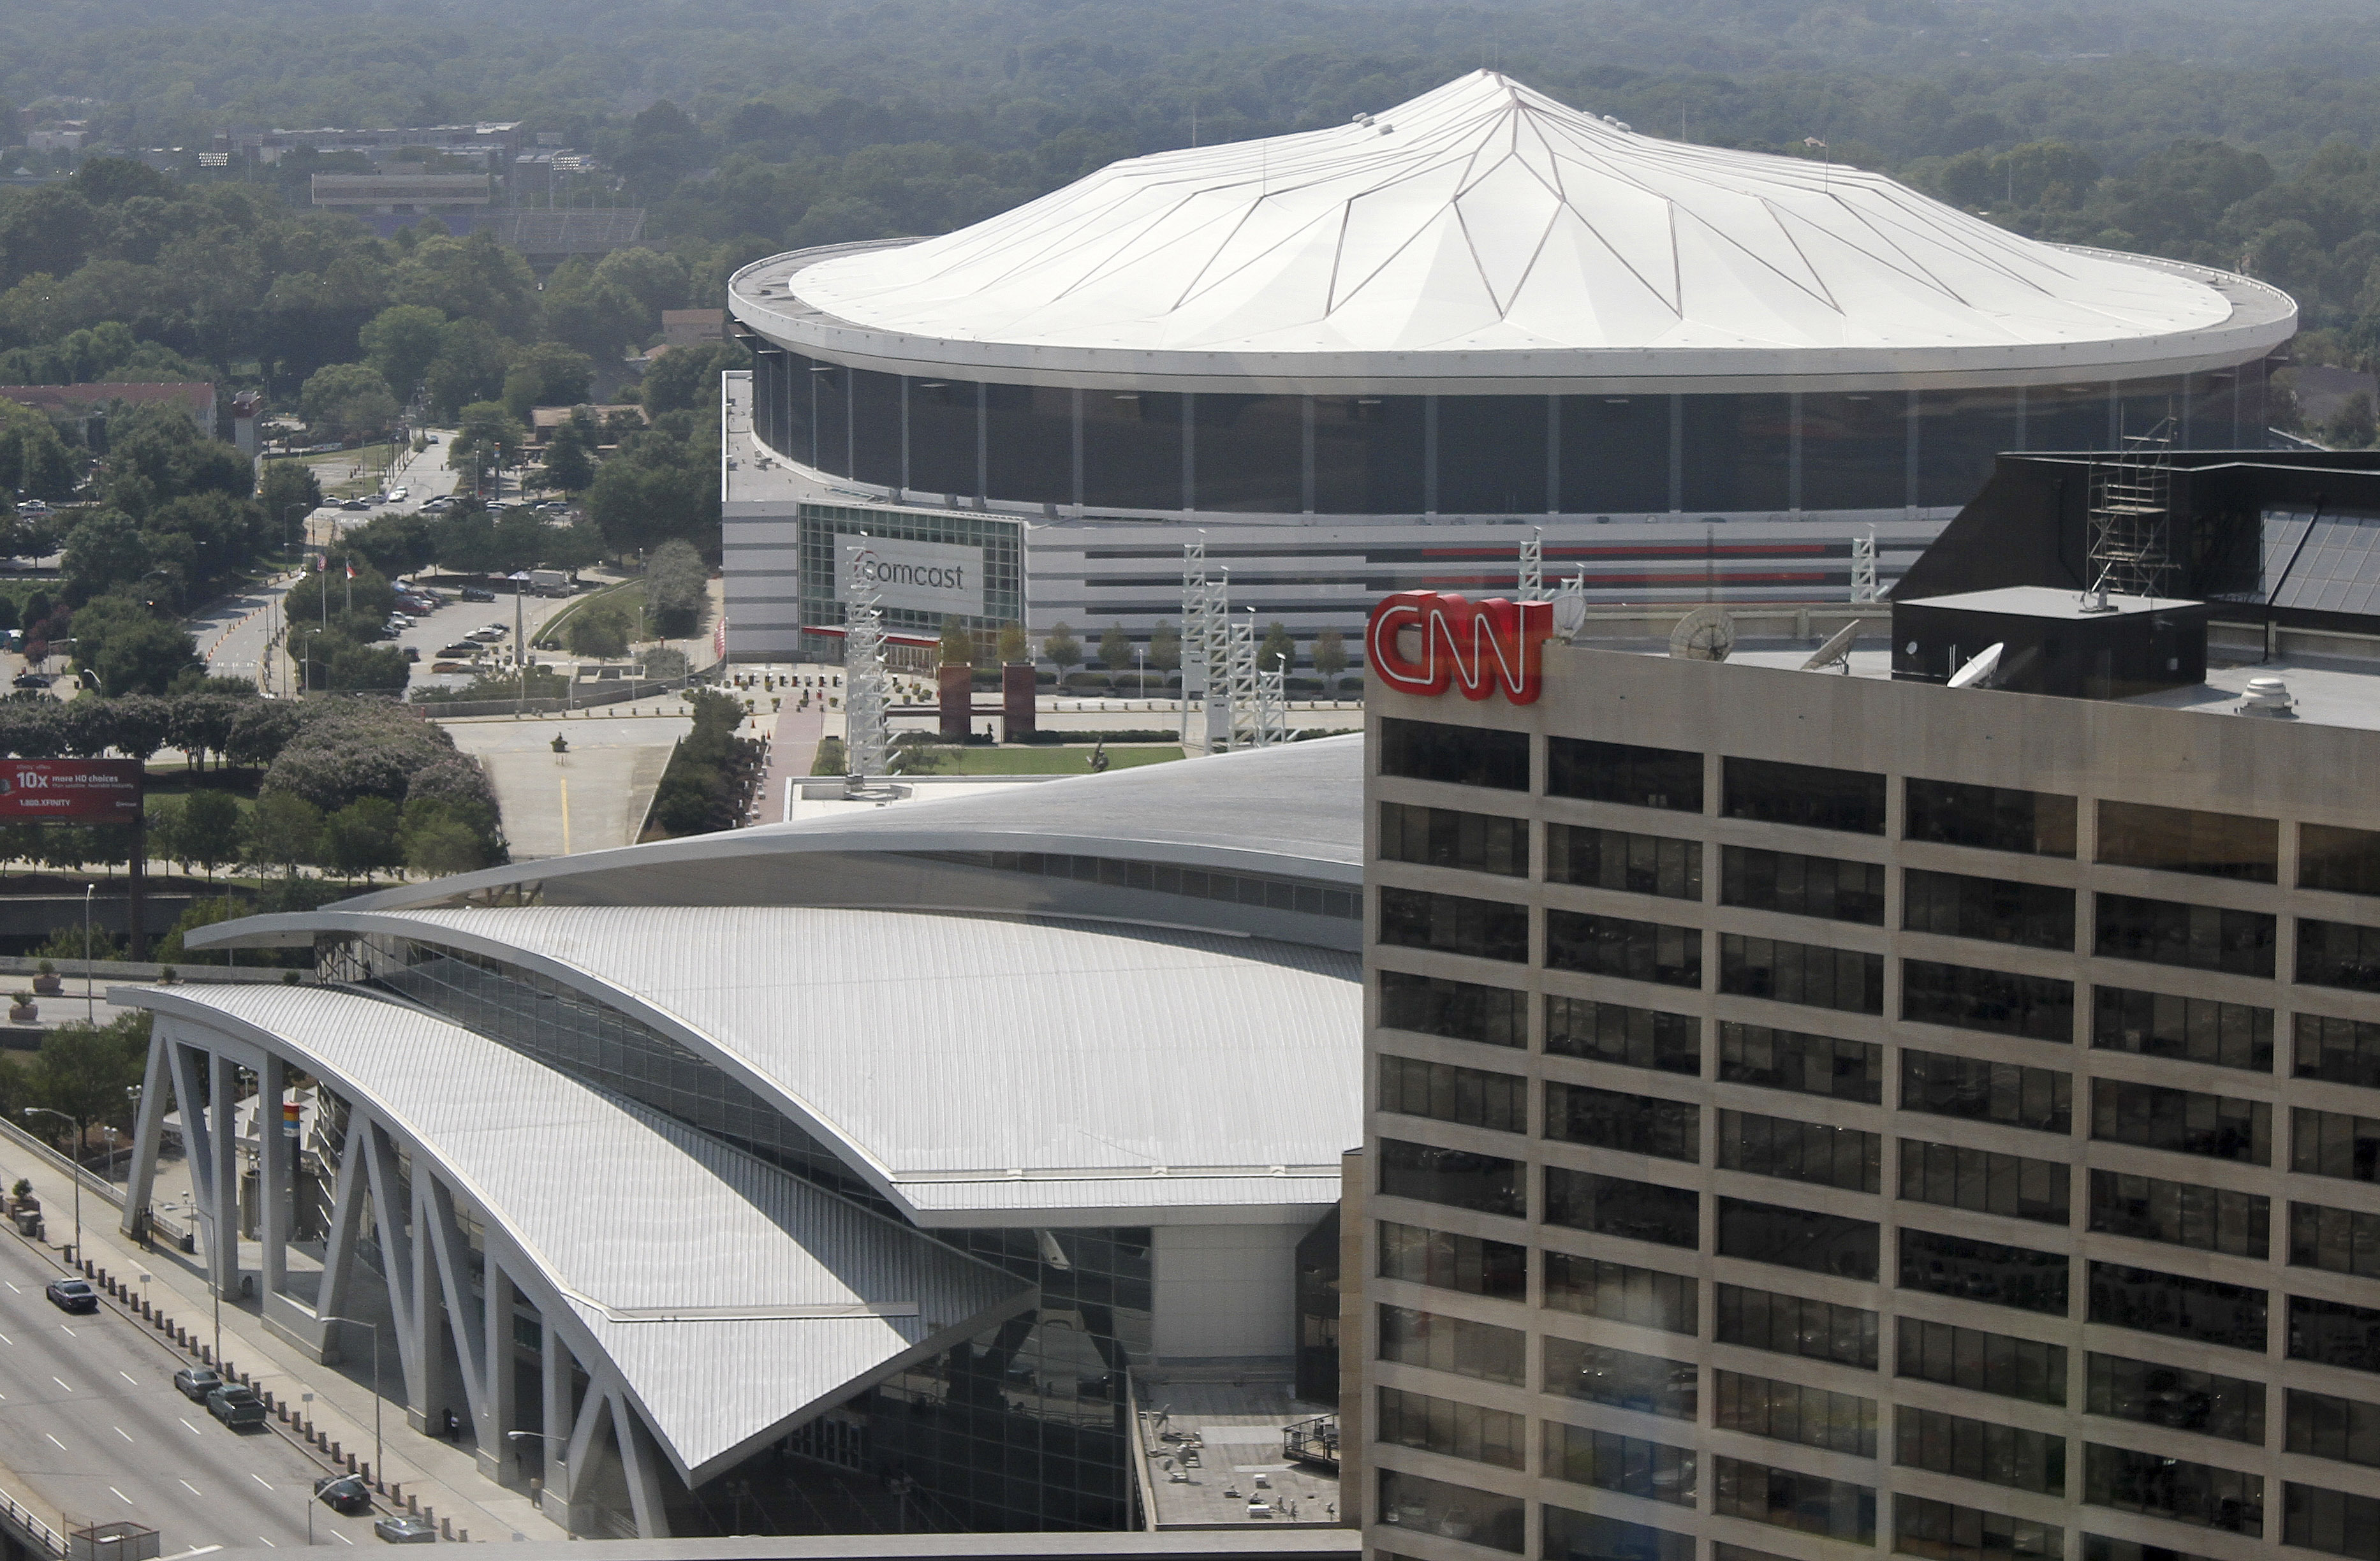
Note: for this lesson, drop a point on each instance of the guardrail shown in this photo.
(32, 1529)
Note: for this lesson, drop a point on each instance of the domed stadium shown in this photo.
(1375, 356)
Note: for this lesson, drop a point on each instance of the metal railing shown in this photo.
(18, 1516)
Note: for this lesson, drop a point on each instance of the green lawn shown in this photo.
(1044, 761)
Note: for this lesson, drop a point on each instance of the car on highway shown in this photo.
(72, 1295)
(478, 593)
(397, 494)
(404, 1528)
(463, 648)
(355, 504)
(343, 1492)
(237, 1406)
(29, 679)
(443, 502)
(195, 1383)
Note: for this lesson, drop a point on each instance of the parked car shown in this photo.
(413, 653)
(195, 1383)
(403, 1527)
(478, 593)
(343, 1492)
(237, 1406)
(72, 1295)
(485, 636)
(443, 502)
(462, 647)
(32, 680)
(355, 504)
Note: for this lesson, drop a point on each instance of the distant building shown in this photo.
(247, 421)
(543, 420)
(407, 192)
(693, 327)
(82, 403)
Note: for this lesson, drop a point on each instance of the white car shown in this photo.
(395, 494)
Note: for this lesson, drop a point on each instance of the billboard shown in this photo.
(70, 791)
(929, 577)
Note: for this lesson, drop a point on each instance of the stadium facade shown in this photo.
(834, 1173)
(1374, 357)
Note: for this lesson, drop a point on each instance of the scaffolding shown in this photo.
(1239, 661)
(2131, 516)
(1863, 567)
(1273, 708)
(1532, 568)
(866, 743)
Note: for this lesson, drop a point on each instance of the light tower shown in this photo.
(865, 744)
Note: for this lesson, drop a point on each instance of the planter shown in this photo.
(24, 1011)
(49, 986)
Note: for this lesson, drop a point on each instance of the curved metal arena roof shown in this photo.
(1484, 234)
(731, 1296)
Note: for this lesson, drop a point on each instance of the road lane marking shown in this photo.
(188, 1426)
(11, 1286)
(192, 1489)
(6, 1339)
(341, 1538)
(61, 1446)
(262, 1480)
(269, 1545)
(63, 1382)
(69, 1332)
(121, 1497)
(129, 1377)
(121, 1431)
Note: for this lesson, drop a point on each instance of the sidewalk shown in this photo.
(439, 1475)
(793, 748)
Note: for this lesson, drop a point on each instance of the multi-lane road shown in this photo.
(90, 1424)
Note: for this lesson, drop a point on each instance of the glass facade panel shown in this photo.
(1962, 1177)
(1826, 1065)
(1844, 979)
(2156, 1394)
(1959, 436)
(2331, 1521)
(2206, 1310)
(1615, 455)
(1618, 946)
(876, 428)
(1631, 1465)
(1132, 450)
(1491, 455)
(1456, 1512)
(1615, 859)
(1831, 1508)
(1029, 443)
(1981, 1362)
(2040, 1098)
(1737, 452)
(1979, 1449)
(1652, 1385)
(1640, 1124)
(2339, 954)
(1759, 1406)
(2039, 1007)
(1794, 1151)
(1854, 451)
(2222, 1127)
(2337, 1240)
(1621, 1292)
(2096, 1548)
(2331, 1333)
(1821, 1244)
(1461, 1010)
(2186, 1029)
(1591, 1536)
(1795, 1325)
(1453, 1429)
(2180, 1213)
(1995, 910)
(1990, 817)
(1991, 1272)
(2174, 1489)
(1369, 455)
(1458, 756)
(1456, 1178)
(2340, 1050)
(1623, 773)
(1471, 1264)
(1453, 923)
(2060, 418)
(1802, 886)
(2343, 1429)
(1806, 795)
(2334, 1143)
(2178, 839)
(1611, 1206)
(1639, 1038)
(2344, 861)
(1470, 1096)
(1441, 837)
(1946, 1531)
(1248, 453)
(944, 433)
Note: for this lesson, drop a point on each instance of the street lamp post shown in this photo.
(378, 1462)
(89, 1003)
(75, 1160)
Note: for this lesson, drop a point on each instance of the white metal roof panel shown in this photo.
(681, 1258)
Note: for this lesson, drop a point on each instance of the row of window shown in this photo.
(2132, 834)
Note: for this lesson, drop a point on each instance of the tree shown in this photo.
(1013, 645)
(288, 493)
(208, 829)
(284, 830)
(598, 629)
(678, 588)
(469, 367)
(1329, 655)
(549, 374)
(485, 428)
(1060, 648)
(104, 552)
(687, 379)
(473, 278)
(1115, 650)
(1165, 648)
(132, 651)
(436, 840)
(958, 645)
(343, 399)
(2352, 427)
(1279, 652)
(655, 488)
(402, 341)
(567, 467)
(368, 669)
(361, 838)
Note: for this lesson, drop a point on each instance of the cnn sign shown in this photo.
(1420, 642)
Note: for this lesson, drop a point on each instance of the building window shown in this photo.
(1981, 1362)
(1456, 1178)
(1638, 1038)
(2040, 1098)
(2096, 1548)
(2039, 1007)
(1460, 1010)
(1614, 859)
(1617, 772)
(1991, 1272)
(2336, 1240)
(1806, 795)
(1641, 1124)
(2221, 1126)
(1631, 1465)
(1611, 1206)
(1960, 1177)
(2341, 1051)
(1652, 1385)
(1618, 1292)
(1995, 910)
(1821, 1243)
(1759, 1406)
(1471, 1264)
(2181, 1214)
(1454, 1344)
(2331, 1333)
(2339, 954)
(2344, 861)
(1460, 755)
(2178, 839)
(1591, 1536)
(2342, 1429)
(1457, 1512)
(1990, 818)
(1779, 1146)
(2206, 1310)
(1977, 1449)
(1453, 924)
(1946, 1531)
(2184, 1029)
(1633, 950)
(2334, 1143)
(2331, 1521)
(1452, 1429)
(1795, 1325)
(1788, 1059)
(2173, 1489)
(2166, 932)
(1802, 886)
(1800, 973)
(1440, 837)
(1470, 1096)
(2156, 1394)
(1831, 1508)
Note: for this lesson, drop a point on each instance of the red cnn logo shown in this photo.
(1475, 647)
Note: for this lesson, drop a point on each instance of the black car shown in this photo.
(478, 593)
(72, 1295)
(32, 680)
(343, 1492)
(195, 1383)
(463, 648)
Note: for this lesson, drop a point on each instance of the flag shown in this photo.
(351, 569)
(322, 562)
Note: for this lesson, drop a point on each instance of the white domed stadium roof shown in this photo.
(1485, 231)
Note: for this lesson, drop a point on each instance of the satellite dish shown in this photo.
(1570, 608)
(1836, 648)
(1704, 634)
(1977, 672)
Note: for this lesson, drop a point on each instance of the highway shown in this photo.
(90, 1424)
